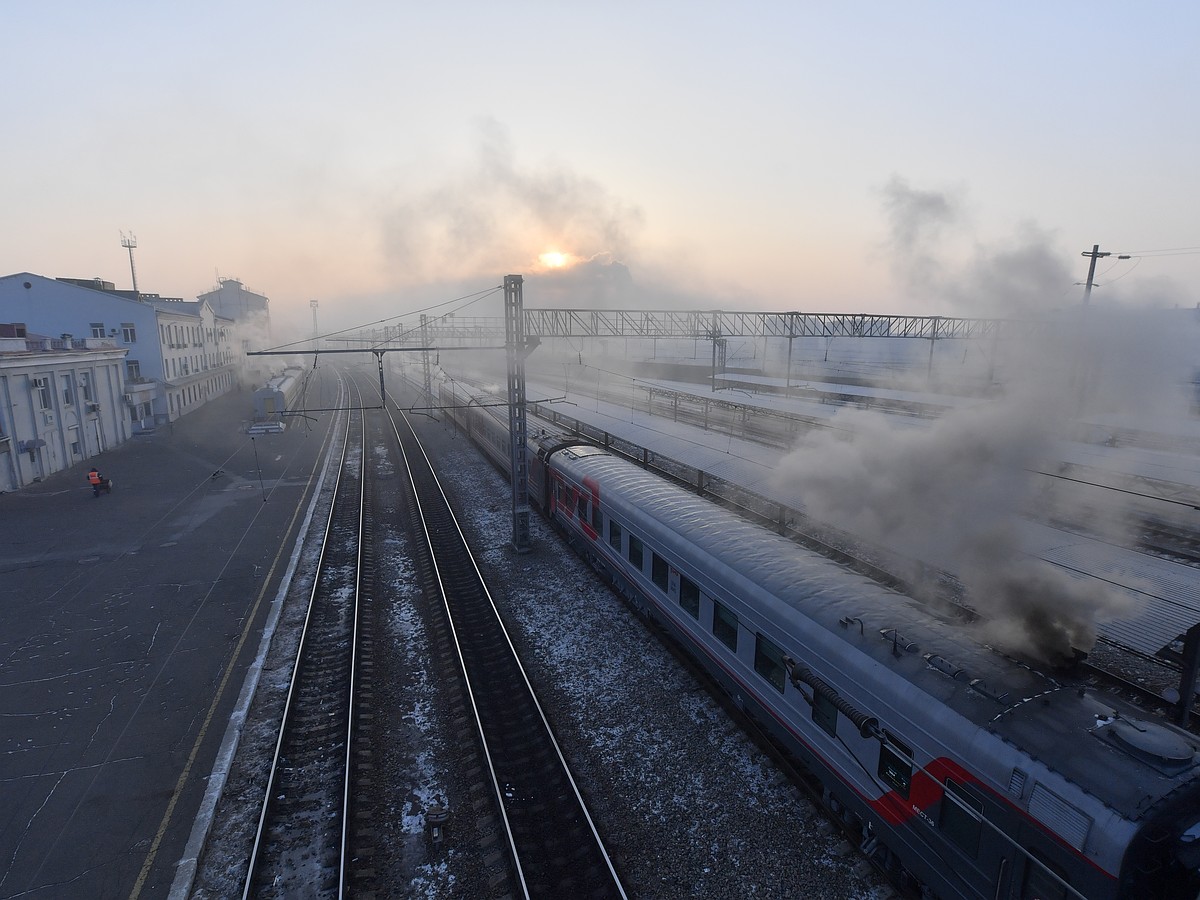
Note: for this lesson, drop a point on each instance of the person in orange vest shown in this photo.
(99, 482)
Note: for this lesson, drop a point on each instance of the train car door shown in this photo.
(1041, 878)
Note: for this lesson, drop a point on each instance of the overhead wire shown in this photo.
(473, 297)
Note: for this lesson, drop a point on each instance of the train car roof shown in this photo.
(1086, 736)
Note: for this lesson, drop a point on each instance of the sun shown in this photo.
(553, 259)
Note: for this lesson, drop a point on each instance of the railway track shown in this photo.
(532, 811)
(304, 840)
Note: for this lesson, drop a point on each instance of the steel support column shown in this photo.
(425, 359)
(514, 331)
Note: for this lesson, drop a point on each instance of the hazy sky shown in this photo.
(949, 158)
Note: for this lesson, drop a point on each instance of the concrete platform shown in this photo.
(129, 623)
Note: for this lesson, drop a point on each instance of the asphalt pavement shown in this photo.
(129, 623)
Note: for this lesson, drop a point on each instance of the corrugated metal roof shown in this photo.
(1163, 596)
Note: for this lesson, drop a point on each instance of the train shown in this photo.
(963, 771)
(279, 395)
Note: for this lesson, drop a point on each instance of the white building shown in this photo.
(197, 359)
(61, 402)
(179, 353)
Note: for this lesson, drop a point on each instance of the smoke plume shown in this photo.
(952, 492)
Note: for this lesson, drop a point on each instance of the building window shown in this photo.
(659, 571)
(85, 386)
(133, 370)
(768, 662)
(961, 818)
(41, 387)
(68, 396)
(724, 626)
(98, 330)
(128, 333)
(895, 765)
(635, 552)
(614, 535)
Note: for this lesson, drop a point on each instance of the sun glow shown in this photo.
(553, 259)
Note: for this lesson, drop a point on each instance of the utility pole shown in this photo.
(1095, 254)
(316, 337)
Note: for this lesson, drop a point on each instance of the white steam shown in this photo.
(952, 493)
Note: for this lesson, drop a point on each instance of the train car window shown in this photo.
(1038, 883)
(597, 519)
(581, 507)
(768, 662)
(961, 818)
(689, 596)
(725, 623)
(614, 535)
(895, 765)
(659, 571)
(635, 552)
(825, 714)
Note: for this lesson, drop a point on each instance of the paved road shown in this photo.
(129, 621)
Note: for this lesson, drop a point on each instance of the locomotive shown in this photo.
(965, 772)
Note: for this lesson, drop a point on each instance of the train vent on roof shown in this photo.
(943, 665)
(898, 641)
(1149, 742)
(978, 684)
(1016, 782)
(1071, 824)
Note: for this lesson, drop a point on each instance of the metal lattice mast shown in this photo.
(514, 332)
(129, 243)
(425, 358)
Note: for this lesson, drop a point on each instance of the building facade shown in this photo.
(177, 354)
(61, 403)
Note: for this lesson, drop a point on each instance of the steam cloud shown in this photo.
(951, 493)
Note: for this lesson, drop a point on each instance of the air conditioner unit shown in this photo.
(93, 407)
(48, 417)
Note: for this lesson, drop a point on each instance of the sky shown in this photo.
(931, 158)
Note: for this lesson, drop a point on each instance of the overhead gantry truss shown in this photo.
(703, 325)
(718, 323)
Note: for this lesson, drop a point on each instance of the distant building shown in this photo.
(252, 313)
(61, 402)
(231, 300)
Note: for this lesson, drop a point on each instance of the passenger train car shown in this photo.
(279, 395)
(966, 773)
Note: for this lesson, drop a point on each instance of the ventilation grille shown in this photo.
(1016, 783)
(1069, 823)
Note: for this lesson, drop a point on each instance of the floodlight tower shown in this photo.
(129, 242)
(313, 304)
